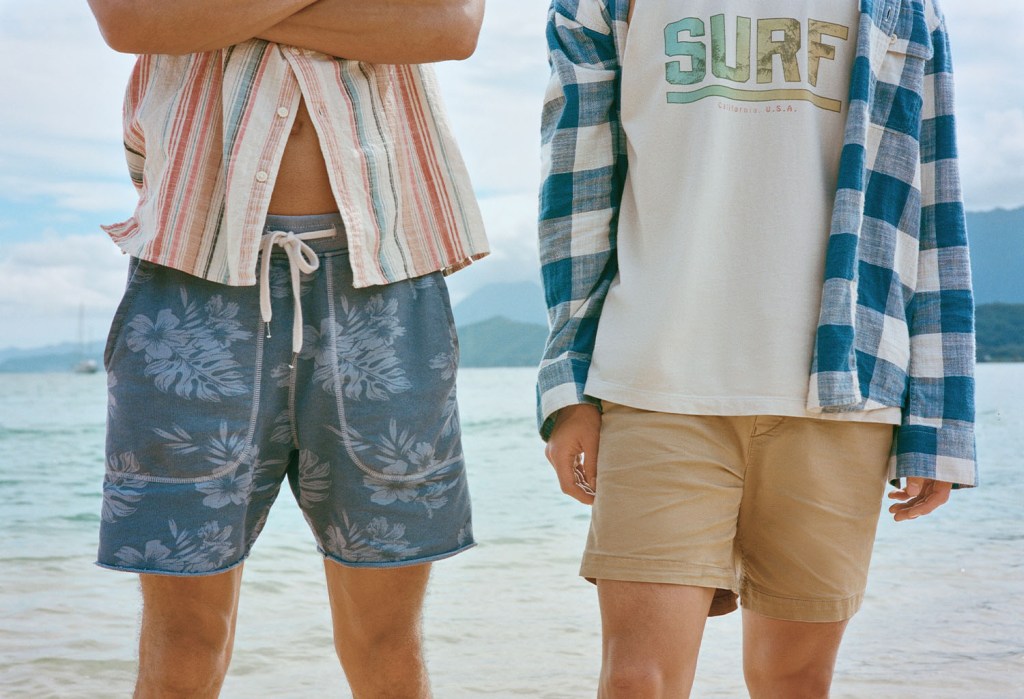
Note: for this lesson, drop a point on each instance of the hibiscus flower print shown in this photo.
(382, 321)
(314, 479)
(229, 489)
(378, 541)
(155, 557)
(447, 363)
(189, 351)
(386, 492)
(368, 365)
(224, 329)
(202, 551)
(122, 487)
(318, 344)
(227, 448)
(159, 339)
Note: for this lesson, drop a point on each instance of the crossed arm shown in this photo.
(381, 31)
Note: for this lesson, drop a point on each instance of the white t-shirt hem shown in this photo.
(661, 402)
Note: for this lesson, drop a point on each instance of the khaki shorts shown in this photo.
(781, 510)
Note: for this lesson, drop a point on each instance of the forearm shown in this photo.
(187, 26)
(384, 31)
(577, 226)
(936, 439)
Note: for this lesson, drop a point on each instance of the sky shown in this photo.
(62, 171)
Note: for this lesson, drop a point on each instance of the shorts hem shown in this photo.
(398, 563)
(170, 573)
(603, 567)
(791, 609)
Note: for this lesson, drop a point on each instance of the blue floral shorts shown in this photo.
(215, 398)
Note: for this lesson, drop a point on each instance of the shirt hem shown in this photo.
(729, 405)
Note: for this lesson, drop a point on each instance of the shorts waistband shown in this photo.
(310, 223)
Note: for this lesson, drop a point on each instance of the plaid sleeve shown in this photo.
(936, 438)
(583, 160)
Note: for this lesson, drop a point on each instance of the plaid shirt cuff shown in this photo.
(560, 384)
(941, 453)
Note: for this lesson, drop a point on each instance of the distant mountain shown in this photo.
(505, 324)
(51, 358)
(519, 301)
(1001, 332)
(997, 255)
(501, 342)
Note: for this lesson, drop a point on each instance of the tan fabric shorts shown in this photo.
(781, 510)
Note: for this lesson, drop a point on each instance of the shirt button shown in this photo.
(261, 176)
(282, 111)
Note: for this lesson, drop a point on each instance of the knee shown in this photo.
(631, 679)
(378, 641)
(809, 682)
(186, 655)
(382, 660)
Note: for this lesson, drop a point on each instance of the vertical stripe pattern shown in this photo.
(204, 140)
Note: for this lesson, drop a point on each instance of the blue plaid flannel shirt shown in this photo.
(897, 315)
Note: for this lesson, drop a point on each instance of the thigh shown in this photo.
(376, 602)
(381, 473)
(669, 488)
(809, 514)
(189, 611)
(789, 658)
(652, 630)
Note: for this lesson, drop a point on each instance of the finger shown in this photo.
(590, 447)
(916, 485)
(912, 489)
(563, 460)
(934, 494)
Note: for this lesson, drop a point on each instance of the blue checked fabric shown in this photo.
(896, 327)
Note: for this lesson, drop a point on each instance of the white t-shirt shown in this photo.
(734, 113)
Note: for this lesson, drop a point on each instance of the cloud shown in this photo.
(990, 99)
(60, 145)
(992, 159)
(45, 282)
(511, 223)
(494, 98)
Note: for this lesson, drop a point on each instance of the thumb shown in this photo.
(914, 486)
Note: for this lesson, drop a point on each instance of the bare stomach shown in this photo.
(302, 185)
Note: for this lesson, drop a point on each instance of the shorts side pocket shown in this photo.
(138, 272)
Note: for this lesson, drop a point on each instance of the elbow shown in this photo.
(121, 42)
(126, 29)
(121, 27)
(461, 49)
(461, 38)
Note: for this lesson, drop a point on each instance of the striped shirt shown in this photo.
(204, 134)
(896, 327)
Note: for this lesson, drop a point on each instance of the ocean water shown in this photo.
(942, 619)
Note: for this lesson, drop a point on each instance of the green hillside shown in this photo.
(501, 342)
(1000, 328)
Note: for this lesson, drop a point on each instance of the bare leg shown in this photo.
(651, 636)
(376, 613)
(789, 659)
(188, 630)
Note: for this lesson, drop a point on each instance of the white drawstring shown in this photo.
(301, 259)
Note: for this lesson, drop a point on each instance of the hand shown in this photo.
(575, 435)
(919, 497)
